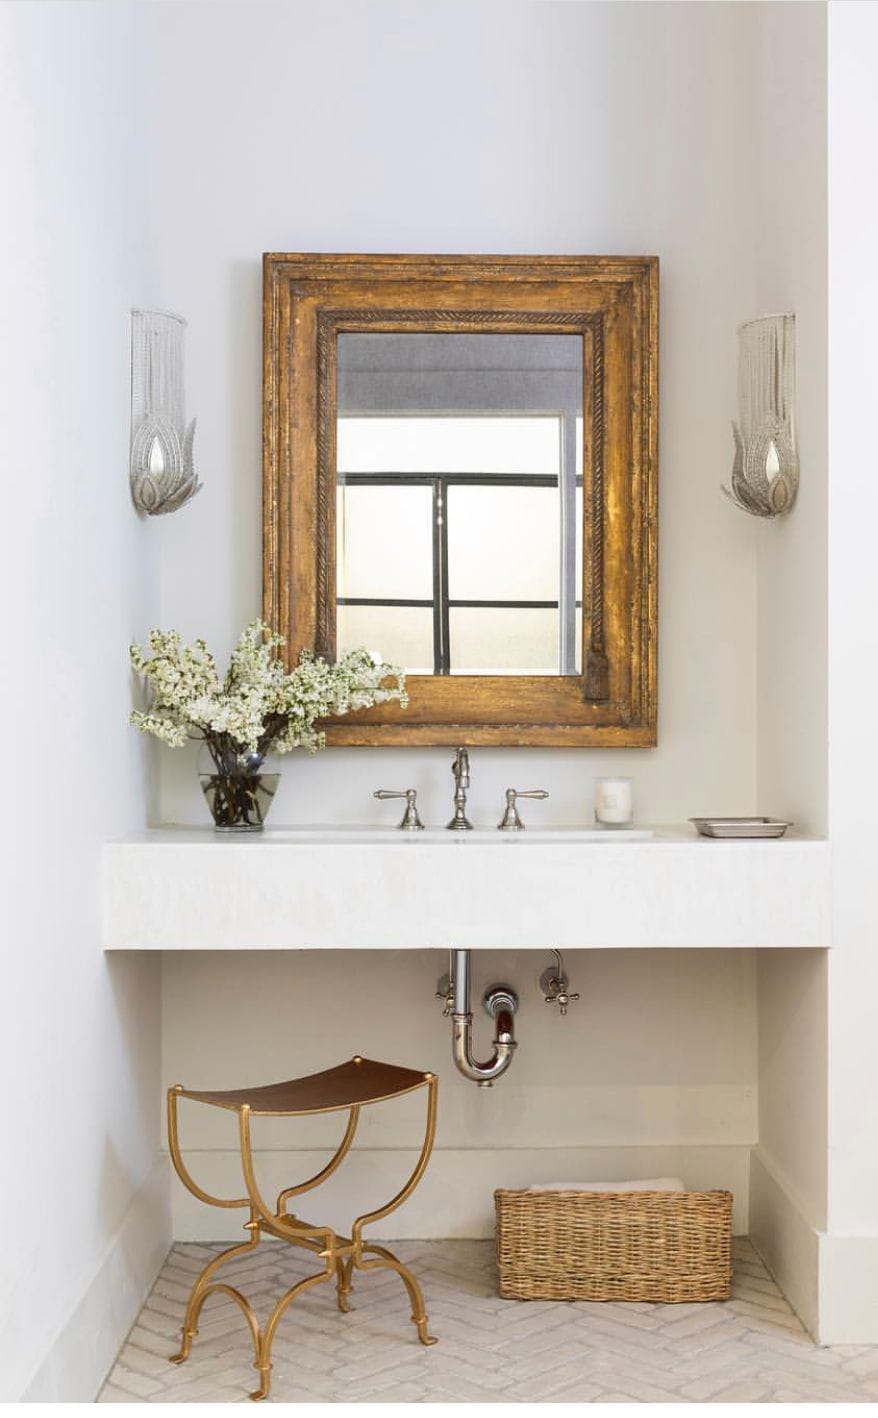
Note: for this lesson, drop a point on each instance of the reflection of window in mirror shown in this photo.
(459, 515)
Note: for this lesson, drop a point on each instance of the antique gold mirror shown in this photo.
(460, 473)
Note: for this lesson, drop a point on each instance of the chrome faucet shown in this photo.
(460, 769)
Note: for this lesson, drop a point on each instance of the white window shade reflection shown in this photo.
(384, 542)
(448, 443)
(403, 635)
(501, 640)
(503, 543)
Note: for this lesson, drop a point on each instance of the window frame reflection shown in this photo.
(568, 480)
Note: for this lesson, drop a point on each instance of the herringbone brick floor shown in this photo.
(750, 1349)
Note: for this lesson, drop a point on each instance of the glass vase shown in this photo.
(236, 788)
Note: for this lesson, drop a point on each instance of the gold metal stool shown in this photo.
(351, 1085)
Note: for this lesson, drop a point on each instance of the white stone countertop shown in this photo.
(175, 888)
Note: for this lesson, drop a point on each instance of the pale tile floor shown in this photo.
(750, 1349)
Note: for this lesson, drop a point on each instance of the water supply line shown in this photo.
(500, 1001)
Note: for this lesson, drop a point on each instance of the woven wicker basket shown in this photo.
(668, 1246)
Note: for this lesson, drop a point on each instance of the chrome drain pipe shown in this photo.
(501, 1002)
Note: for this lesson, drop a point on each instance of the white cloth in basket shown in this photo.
(650, 1184)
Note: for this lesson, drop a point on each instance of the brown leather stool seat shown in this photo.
(350, 1086)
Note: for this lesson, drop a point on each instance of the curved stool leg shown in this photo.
(244, 1305)
(200, 1291)
(387, 1260)
(384, 1257)
(326, 1172)
(263, 1359)
(343, 1284)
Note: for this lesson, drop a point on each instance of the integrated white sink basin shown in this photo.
(483, 836)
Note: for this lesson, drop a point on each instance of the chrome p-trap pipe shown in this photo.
(501, 1003)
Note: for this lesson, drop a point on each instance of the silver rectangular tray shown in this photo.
(740, 826)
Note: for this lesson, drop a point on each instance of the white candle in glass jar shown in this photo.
(613, 802)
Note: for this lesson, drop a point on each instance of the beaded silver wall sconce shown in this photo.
(161, 469)
(765, 472)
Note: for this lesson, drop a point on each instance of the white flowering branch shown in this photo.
(259, 705)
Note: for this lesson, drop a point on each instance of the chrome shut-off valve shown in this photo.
(556, 986)
(445, 992)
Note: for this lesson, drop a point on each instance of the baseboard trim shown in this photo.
(82, 1353)
(786, 1239)
(455, 1199)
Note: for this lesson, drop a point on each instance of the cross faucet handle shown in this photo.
(511, 819)
(410, 819)
(562, 999)
(556, 986)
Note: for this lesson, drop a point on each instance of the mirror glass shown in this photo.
(459, 514)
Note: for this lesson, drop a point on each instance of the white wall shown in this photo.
(789, 1177)
(470, 127)
(830, 1261)
(791, 276)
(82, 1200)
(792, 1074)
(850, 1257)
(789, 1167)
(673, 1092)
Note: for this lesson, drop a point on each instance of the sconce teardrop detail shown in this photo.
(161, 471)
(765, 471)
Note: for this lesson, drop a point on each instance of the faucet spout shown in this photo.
(460, 768)
(501, 1003)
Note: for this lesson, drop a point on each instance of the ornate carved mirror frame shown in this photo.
(612, 303)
